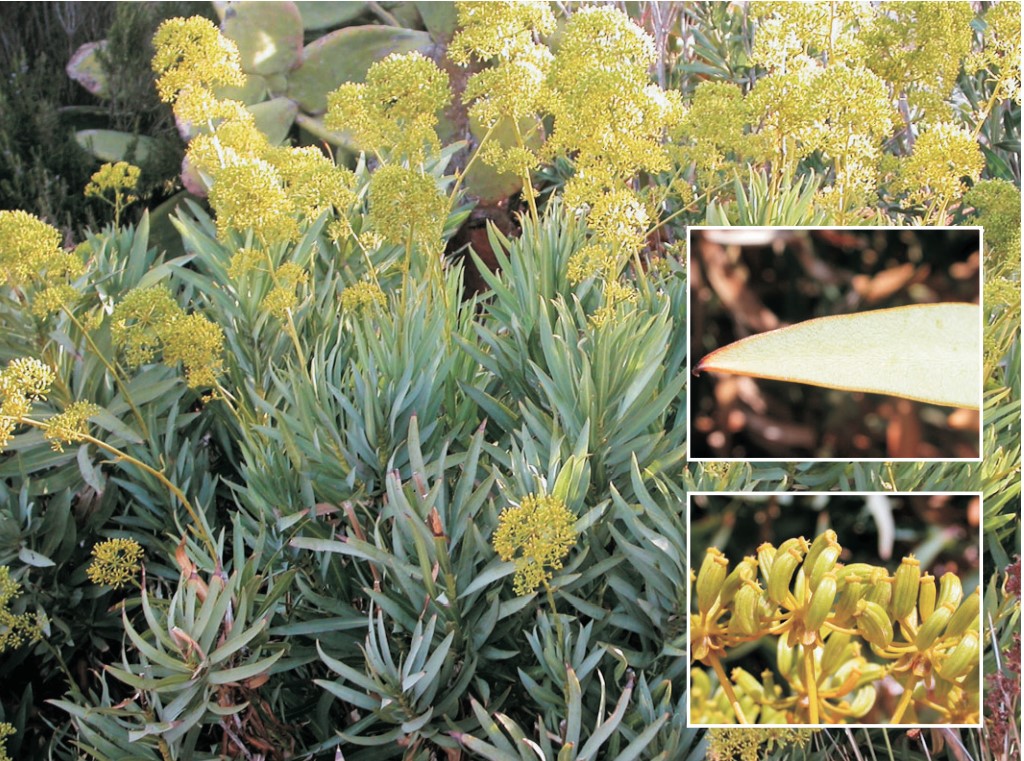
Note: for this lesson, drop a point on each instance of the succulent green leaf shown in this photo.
(275, 118)
(86, 69)
(345, 56)
(325, 15)
(112, 145)
(254, 90)
(929, 353)
(268, 35)
(439, 18)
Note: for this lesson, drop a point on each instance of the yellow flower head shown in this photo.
(590, 261)
(396, 108)
(403, 202)
(116, 562)
(501, 30)
(113, 177)
(615, 293)
(997, 206)
(6, 730)
(363, 295)
(943, 155)
(71, 425)
(315, 183)
(192, 52)
(198, 106)
(512, 90)
(137, 321)
(282, 296)
(251, 195)
(244, 261)
(26, 377)
(619, 218)
(198, 344)
(233, 142)
(15, 630)
(28, 247)
(536, 534)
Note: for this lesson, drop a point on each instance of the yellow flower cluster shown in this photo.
(250, 195)
(117, 177)
(787, 31)
(395, 109)
(997, 204)
(149, 319)
(71, 425)
(713, 130)
(244, 261)
(363, 295)
(282, 297)
(1001, 55)
(23, 381)
(116, 562)
(6, 730)
(536, 534)
(193, 53)
(15, 629)
(404, 204)
(944, 154)
(615, 293)
(750, 744)
(30, 251)
(502, 30)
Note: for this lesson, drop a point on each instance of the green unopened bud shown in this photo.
(765, 556)
(710, 578)
(834, 653)
(748, 683)
(879, 587)
(745, 621)
(825, 563)
(850, 593)
(746, 570)
(926, 596)
(783, 568)
(785, 659)
(933, 626)
(905, 588)
(863, 701)
(950, 589)
(873, 623)
(821, 542)
(962, 659)
(860, 571)
(821, 602)
(966, 615)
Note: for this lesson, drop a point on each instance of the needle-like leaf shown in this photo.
(931, 353)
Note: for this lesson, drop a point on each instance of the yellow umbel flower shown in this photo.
(282, 296)
(71, 425)
(752, 744)
(363, 295)
(137, 321)
(615, 293)
(27, 377)
(192, 52)
(251, 195)
(6, 730)
(502, 30)
(117, 177)
(943, 155)
(15, 630)
(198, 344)
(315, 183)
(52, 299)
(589, 261)
(536, 534)
(244, 261)
(395, 109)
(198, 105)
(30, 249)
(405, 203)
(233, 142)
(116, 562)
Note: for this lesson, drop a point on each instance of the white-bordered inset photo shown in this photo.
(818, 609)
(835, 343)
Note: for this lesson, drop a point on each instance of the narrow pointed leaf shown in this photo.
(930, 353)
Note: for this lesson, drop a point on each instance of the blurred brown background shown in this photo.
(748, 280)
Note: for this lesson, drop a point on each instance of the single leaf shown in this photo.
(930, 353)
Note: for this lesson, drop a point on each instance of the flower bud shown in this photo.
(873, 623)
(745, 570)
(765, 556)
(950, 589)
(710, 578)
(905, 588)
(879, 587)
(962, 659)
(926, 596)
(825, 563)
(863, 701)
(821, 602)
(785, 659)
(748, 683)
(933, 626)
(966, 615)
(859, 571)
(850, 593)
(783, 568)
(746, 621)
(834, 653)
(820, 544)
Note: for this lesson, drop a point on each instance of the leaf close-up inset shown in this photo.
(928, 352)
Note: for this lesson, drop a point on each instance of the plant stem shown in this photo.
(531, 197)
(812, 684)
(908, 693)
(465, 170)
(727, 686)
(554, 613)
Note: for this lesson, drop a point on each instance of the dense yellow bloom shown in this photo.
(536, 534)
(943, 155)
(713, 130)
(1002, 52)
(251, 195)
(395, 109)
(29, 248)
(511, 90)
(615, 293)
(198, 344)
(116, 562)
(404, 203)
(282, 296)
(27, 377)
(15, 630)
(363, 295)
(198, 105)
(753, 743)
(233, 142)
(315, 184)
(138, 320)
(590, 261)
(6, 730)
(997, 206)
(116, 177)
(192, 52)
(502, 30)
(244, 261)
(619, 219)
(786, 31)
(71, 425)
